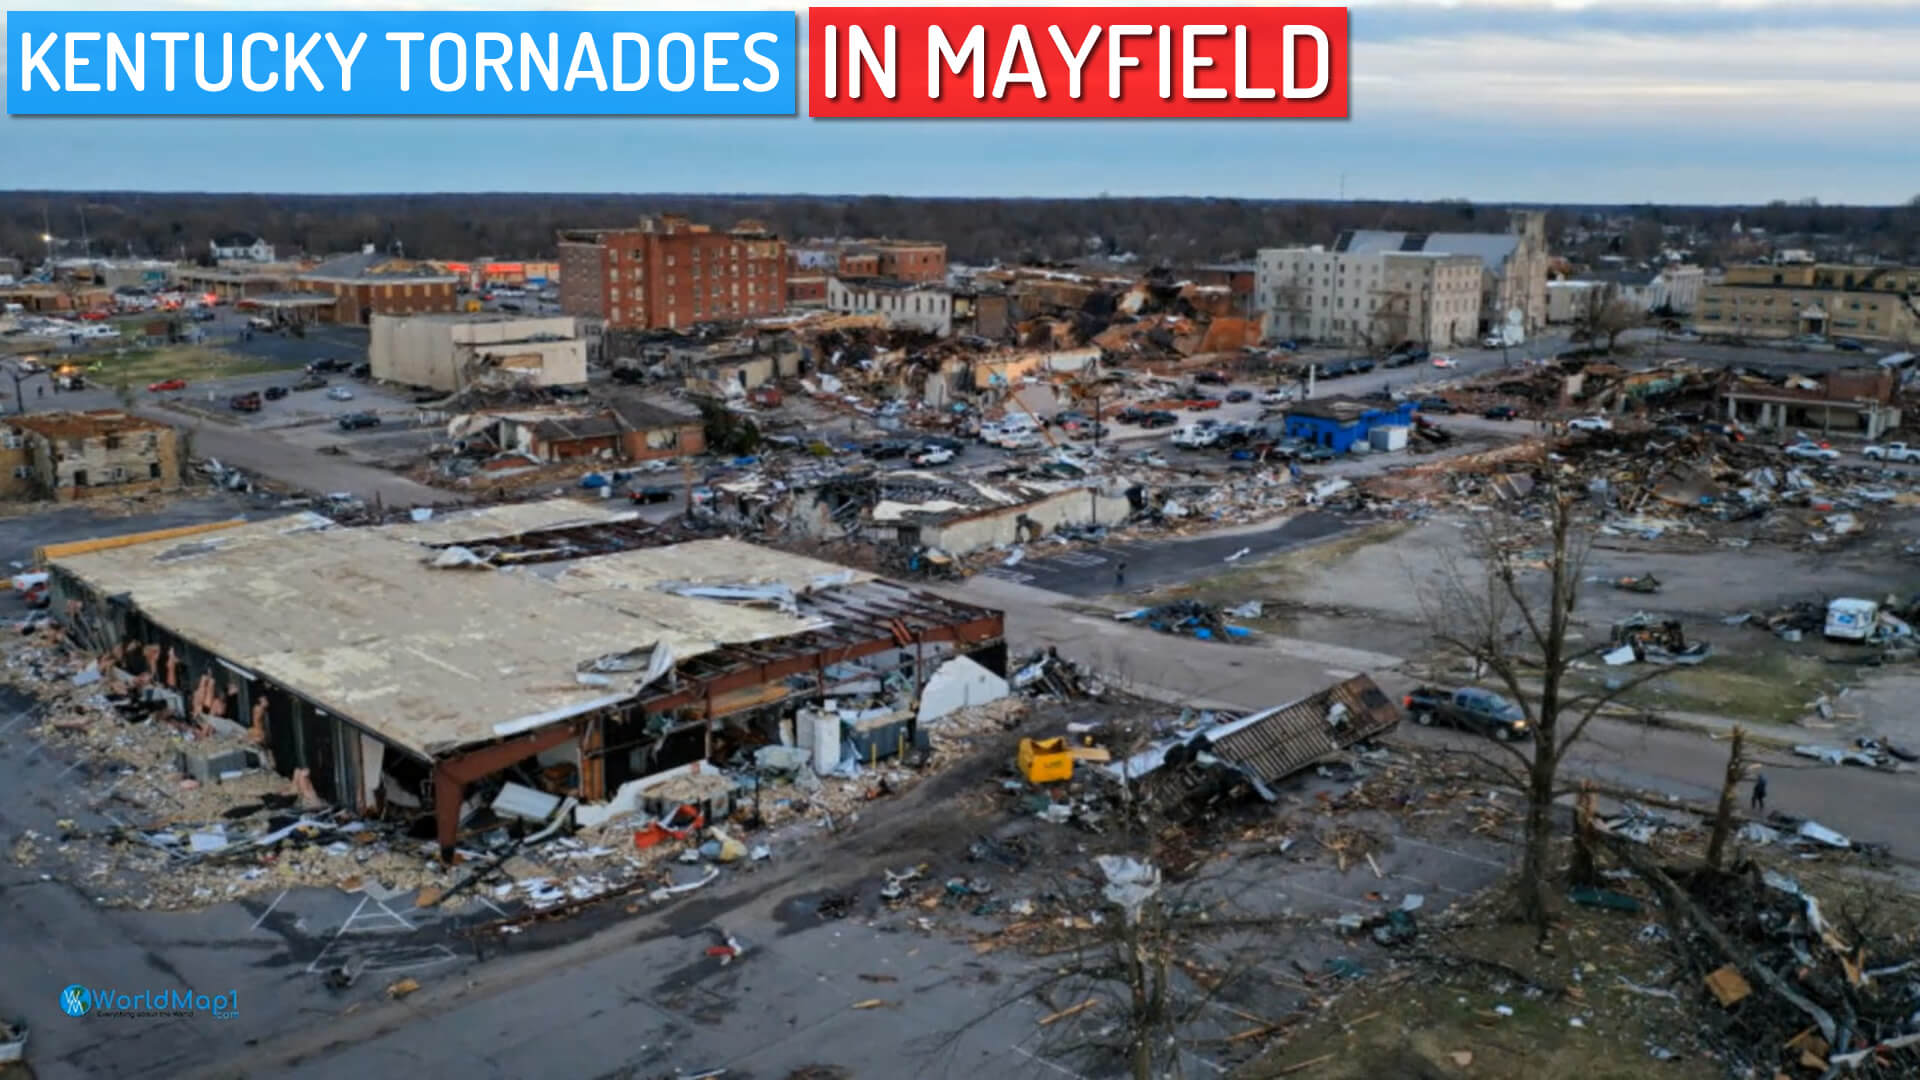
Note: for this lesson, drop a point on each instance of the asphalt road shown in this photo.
(1089, 571)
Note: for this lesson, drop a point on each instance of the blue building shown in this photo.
(1338, 422)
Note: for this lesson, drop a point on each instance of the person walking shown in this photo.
(1120, 574)
(1759, 791)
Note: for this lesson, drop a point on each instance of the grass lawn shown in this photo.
(1772, 688)
(140, 367)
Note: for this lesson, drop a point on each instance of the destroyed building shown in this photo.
(622, 431)
(1858, 403)
(85, 455)
(455, 352)
(409, 665)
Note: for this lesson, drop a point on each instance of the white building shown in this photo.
(1677, 289)
(241, 247)
(1573, 300)
(453, 352)
(1376, 300)
(1513, 263)
(904, 305)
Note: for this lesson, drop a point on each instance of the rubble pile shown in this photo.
(1193, 618)
(1795, 989)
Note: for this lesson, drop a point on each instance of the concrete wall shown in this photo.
(996, 528)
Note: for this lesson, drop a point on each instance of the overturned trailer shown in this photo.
(409, 666)
(1260, 749)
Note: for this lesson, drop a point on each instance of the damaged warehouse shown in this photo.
(405, 668)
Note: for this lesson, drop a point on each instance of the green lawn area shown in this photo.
(140, 367)
(1774, 688)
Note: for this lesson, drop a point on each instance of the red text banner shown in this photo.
(1078, 62)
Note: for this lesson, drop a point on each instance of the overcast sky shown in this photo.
(1662, 100)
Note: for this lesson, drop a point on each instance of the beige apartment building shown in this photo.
(73, 456)
(1375, 300)
(1872, 303)
(1513, 264)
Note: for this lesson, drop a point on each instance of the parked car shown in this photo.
(1234, 397)
(647, 495)
(275, 393)
(327, 363)
(1150, 458)
(886, 448)
(1502, 412)
(1435, 405)
(1590, 423)
(1401, 359)
(362, 370)
(1813, 451)
(340, 393)
(1279, 395)
(1202, 404)
(1211, 378)
(1360, 365)
(245, 402)
(165, 385)
(933, 456)
(1470, 709)
(941, 442)
(1849, 345)
(1132, 414)
(1893, 451)
(356, 421)
(1159, 418)
(1336, 369)
(310, 381)
(1313, 454)
(1091, 429)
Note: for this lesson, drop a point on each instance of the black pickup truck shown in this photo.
(1470, 709)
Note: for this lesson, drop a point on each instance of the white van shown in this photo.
(1194, 437)
(1851, 619)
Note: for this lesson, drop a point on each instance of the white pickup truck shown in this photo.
(1893, 451)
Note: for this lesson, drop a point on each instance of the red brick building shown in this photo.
(898, 260)
(806, 290)
(904, 261)
(669, 273)
(368, 282)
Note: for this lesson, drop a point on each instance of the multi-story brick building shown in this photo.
(1872, 303)
(849, 260)
(370, 281)
(668, 273)
(72, 456)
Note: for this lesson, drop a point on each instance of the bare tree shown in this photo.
(1516, 632)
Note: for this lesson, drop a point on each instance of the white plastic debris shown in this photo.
(1820, 834)
(1130, 882)
(1503, 1010)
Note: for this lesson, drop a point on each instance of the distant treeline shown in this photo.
(974, 230)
